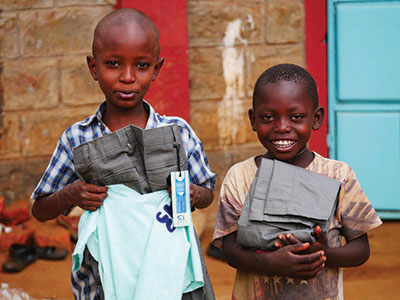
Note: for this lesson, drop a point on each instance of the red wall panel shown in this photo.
(316, 61)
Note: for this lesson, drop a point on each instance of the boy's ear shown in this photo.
(157, 68)
(318, 117)
(252, 118)
(91, 62)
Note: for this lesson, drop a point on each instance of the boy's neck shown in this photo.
(302, 159)
(115, 118)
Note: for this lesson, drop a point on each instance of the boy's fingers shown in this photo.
(96, 188)
(318, 230)
(299, 247)
(292, 239)
(282, 239)
(316, 257)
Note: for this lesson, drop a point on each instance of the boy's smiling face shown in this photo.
(283, 117)
(126, 61)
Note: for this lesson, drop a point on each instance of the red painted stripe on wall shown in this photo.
(316, 61)
(169, 93)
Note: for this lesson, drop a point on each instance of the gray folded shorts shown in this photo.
(284, 198)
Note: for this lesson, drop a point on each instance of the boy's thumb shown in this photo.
(300, 247)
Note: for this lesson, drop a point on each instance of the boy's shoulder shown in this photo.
(242, 170)
(333, 168)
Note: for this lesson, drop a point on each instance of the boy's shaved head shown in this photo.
(288, 72)
(123, 17)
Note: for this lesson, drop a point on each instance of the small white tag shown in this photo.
(180, 192)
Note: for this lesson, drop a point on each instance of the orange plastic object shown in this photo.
(15, 213)
(49, 234)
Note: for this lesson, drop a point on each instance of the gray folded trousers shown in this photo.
(142, 160)
(284, 198)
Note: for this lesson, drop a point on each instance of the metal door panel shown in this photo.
(364, 96)
(375, 159)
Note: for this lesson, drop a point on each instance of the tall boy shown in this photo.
(285, 111)
(125, 61)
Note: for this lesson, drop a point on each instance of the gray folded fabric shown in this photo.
(140, 159)
(284, 198)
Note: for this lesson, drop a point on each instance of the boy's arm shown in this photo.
(354, 253)
(78, 193)
(283, 261)
(200, 196)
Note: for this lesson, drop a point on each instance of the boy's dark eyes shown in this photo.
(112, 63)
(143, 65)
(297, 117)
(267, 118)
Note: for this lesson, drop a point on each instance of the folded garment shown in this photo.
(141, 159)
(135, 160)
(132, 238)
(284, 198)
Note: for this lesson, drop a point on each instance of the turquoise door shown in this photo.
(364, 96)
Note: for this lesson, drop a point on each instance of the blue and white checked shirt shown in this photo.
(61, 172)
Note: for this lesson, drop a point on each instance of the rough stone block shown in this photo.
(59, 31)
(77, 85)
(285, 21)
(233, 122)
(266, 56)
(61, 3)
(206, 79)
(30, 83)
(18, 178)
(9, 136)
(25, 4)
(41, 130)
(213, 23)
(221, 123)
(204, 121)
(9, 44)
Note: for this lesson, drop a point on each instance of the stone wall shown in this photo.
(45, 85)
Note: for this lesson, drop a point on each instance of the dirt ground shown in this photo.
(378, 279)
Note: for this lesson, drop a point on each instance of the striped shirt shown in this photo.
(61, 171)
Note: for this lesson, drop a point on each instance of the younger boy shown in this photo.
(125, 61)
(285, 111)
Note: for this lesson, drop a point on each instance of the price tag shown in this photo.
(180, 192)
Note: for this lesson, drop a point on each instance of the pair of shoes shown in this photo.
(215, 252)
(51, 253)
(20, 256)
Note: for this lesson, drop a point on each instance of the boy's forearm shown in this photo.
(50, 206)
(241, 258)
(354, 253)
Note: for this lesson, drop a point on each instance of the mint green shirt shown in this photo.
(139, 252)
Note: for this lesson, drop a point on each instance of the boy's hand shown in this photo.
(195, 195)
(85, 195)
(200, 196)
(288, 261)
(322, 241)
(289, 239)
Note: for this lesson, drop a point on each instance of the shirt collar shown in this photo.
(98, 115)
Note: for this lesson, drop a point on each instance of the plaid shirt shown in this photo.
(61, 171)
